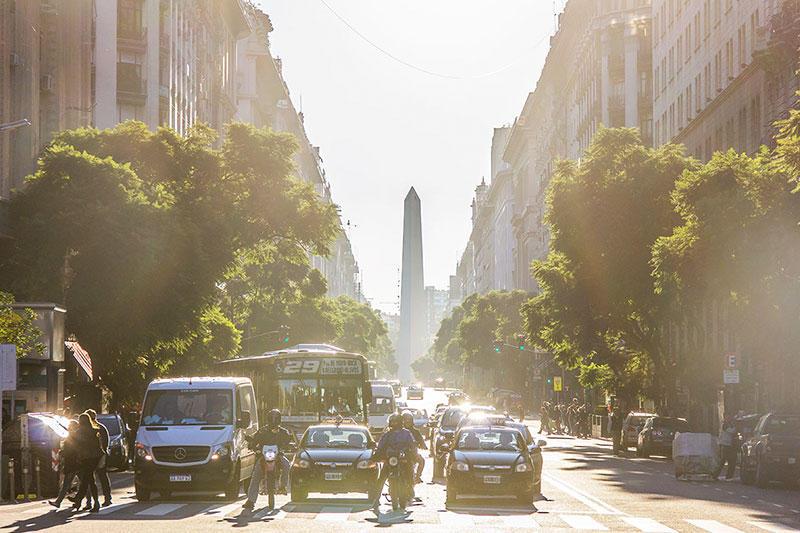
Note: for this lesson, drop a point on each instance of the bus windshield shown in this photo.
(308, 399)
(341, 397)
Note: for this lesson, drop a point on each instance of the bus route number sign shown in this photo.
(319, 366)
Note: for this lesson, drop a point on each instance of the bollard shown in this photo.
(38, 480)
(12, 480)
(25, 482)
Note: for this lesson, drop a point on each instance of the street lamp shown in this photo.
(8, 126)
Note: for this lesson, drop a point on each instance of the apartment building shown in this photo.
(723, 72)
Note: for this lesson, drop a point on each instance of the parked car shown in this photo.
(535, 449)
(489, 460)
(414, 393)
(657, 434)
(773, 450)
(118, 444)
(631, 427)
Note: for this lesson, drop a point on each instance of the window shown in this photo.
(679, 50)
(680, 111)
(129, 19)
(717, 11)
(247, 403)
(707, 18)
(187, 407)
(742, 36)
(697, 30)
(671, 63)
(689, 102)
(688, 40)
(697, 102)
(664, 73)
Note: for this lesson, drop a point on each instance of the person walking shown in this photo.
(616, 430)
(101, 471)
(68, 463)
(545, 419)
(727, 448)
(89, 453)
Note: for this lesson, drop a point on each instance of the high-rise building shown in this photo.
(412, 341)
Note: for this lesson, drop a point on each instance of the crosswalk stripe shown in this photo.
(520, 521)
(583, 522)
(114, 508)
(648, 525)
(279, 514)
(222, 510)
(335, 514)
(449, 518)
(712, 526)
(774, 527)
(161, 509)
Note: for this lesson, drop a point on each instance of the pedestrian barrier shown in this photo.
(600, 427)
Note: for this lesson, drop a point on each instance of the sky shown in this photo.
(419, 112)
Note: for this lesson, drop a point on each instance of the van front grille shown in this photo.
(181, 454)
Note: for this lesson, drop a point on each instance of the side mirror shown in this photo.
(541, 442)
(244, 420)
(371, 445)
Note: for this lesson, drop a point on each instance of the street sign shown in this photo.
(557, 384)
(731, 361)
(730, 376)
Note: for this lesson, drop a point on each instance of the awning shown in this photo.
(82, 356)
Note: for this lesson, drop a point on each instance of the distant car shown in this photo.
(773, 450)
(46, 432)
(420, 419)
(631, 427)
(657, 435)
(118, 444)
(334, 459)
(535, 449)
(490, 460)
(400, 405)
(414, 393)
(457, 398)
(438, 384)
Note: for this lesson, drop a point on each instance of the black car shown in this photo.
(334, 458)
(443, 434)
(535, 449)
(657, 435)
(490, 460)
(118, 446)
(773, 451)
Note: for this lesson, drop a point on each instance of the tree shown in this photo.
(18, 328)
(596, 302)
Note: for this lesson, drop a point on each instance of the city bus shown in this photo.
(308, 383)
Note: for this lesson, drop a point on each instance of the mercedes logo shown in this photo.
(180, 454)
(333, 465)
(491, 468)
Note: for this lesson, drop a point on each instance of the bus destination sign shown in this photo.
(326, 366)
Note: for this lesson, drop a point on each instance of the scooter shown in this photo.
(400, 480)
(271, 465)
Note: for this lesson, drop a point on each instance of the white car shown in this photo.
(414, 393)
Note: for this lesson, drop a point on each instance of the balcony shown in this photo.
(131, 88)
(132, 38)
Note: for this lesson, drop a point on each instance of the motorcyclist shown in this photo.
(408, 423)
(271, 434)
(396, 440)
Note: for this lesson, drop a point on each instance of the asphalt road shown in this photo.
(589, 490)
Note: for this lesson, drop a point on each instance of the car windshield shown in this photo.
(637, 421)
(476, 439)
(111, 423)
(336, 438)
(670, 423)
(187, 407)
(451, 418)
(783, 425)
(380, 406)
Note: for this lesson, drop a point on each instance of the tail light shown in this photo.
(657, 433)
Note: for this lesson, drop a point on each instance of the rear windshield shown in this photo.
(637, 420)
(452, 418)
(504, 440)
(670, 423)
(336, 438)
(111, 423)
(187, 407)
(783, 425)
(380, 406)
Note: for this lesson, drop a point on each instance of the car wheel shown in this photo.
(232, 490)
(761, 476)
(142, 494)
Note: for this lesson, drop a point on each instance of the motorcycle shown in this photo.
(271, 465)
(400, 480)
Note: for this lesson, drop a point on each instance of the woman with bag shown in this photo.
(68, 463)
(89, 454)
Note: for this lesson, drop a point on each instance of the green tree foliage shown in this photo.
(135, 231)
(596, 303)
(18, 328)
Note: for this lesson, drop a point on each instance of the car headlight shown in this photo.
(143, 452)
(393, 461)
(522, 467)
(302, 463)
(222, 451)
(366, 463)
(461, 467)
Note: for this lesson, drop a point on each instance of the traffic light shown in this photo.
(284, 333)
(521, 341)
(549, 380)
(498, 345)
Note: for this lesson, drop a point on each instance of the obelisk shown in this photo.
(411, 343)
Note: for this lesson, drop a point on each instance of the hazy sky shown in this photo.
(383, 127)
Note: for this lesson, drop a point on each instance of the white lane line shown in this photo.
(334, 514)
(587, 499)
(648, 525)
(583, 522)
(772, 526)
(161, 509)
(520, 521)
(451, 519)
(222, 509)
(712, 526)
(114, 508)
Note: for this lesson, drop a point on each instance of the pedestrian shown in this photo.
(616, 430)
(727, 448)
(545, 419)
(68, 463)
(89, 453)
(101, 471)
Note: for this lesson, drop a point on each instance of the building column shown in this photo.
(105, 110)
(151, 21)
(631, 76)
(605, 82)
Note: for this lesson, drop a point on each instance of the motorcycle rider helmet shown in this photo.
(395, 422)
(274, 418)
(408, 419)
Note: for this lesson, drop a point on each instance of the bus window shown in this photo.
(296, 396)
(341, 397)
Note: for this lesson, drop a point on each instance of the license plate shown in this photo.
(333, 476)
(792, 460)
(491, 479)
(185, 477)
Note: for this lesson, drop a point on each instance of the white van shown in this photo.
(381, 406)
(191, 436)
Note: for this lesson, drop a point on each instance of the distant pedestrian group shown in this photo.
(572, 419)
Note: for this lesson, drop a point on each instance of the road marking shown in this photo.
(772, 526)
(222, 510)
(587, 499)
(520, 521)
(334, 514)
(278, 514)
(712, 526)
(451, 519)
(161, 509)
(114, 508)
(583, 522)
(647, 525)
